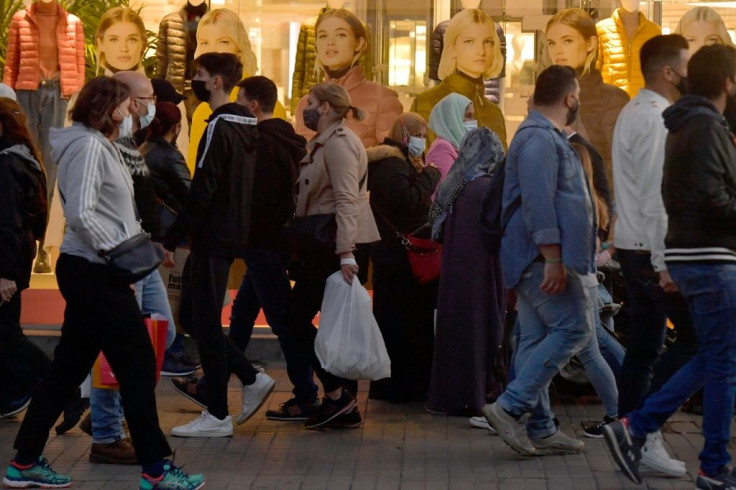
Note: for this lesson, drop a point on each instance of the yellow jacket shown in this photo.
(199, 123)
(618, 56)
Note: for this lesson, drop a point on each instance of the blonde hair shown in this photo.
(356, 28)
(114, 16)
(461, 21)
(231, 26)
(338, 98)
(584, 24)
(704, 14)
(599, 204)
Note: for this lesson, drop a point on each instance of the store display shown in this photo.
(121, 41)
(702, 26)
(462, 70)
(620, 39)
(177, 41)
(339, 56)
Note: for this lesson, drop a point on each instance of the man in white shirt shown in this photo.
(638, 159)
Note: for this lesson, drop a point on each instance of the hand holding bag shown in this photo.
(349, 343)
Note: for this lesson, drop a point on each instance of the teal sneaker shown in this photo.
(173, 478)
(39, 475)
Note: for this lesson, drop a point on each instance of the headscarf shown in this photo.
(446, 118)
(406, 124)
(478, 155)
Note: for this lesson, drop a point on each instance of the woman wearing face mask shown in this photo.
(401, 188)
(341, 41)
(472, 54)
(572, 40)
(450, 121)
(472, 299)
(332, 179)
(101, 312)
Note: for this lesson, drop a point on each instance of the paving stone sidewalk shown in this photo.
(398, 447)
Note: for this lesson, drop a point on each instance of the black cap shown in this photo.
(165, 92)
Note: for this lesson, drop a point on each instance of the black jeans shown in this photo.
(202, 293)
(23, 362)
(649, 308)
(101, 314)
(310, 278)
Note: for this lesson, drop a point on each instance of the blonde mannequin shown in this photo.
(702, 26)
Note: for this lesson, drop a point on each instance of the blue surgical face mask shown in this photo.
(470, 125)
(416, 146)
(146, 120)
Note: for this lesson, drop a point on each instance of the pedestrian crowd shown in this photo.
(525, 231)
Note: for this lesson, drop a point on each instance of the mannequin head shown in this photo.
(572, 40)
(121, 40)
(471, 46)
(336, 4)
(341, 39)
(630, 5)
(222, 31)
(702, 26)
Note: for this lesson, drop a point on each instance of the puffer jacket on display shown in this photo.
(380, 103)
(306, 74)
(23, 41)
(618, 56)
(171, 49)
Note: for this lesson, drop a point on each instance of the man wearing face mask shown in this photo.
(110, 444)
(638, 159)
(547, 257)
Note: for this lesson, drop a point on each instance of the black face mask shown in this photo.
(681, 86)
(311, 118)
(572, 114)
(200, 91)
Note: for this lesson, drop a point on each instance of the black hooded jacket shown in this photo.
(699, 181)
(217, 211)
(278, 154)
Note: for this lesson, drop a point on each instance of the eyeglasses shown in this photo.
(152, 98)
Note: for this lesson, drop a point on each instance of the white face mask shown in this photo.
(146, 120)
(126, 127)
(416, 146)
(470, 125)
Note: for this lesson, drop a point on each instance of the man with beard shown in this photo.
(547, 256)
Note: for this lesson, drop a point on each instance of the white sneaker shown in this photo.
(254, 395)
(655, 456)
(207, 425)
(482, 423)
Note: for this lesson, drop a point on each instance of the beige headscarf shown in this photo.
(406, 124)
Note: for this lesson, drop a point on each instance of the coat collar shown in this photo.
(352, 79)
(322, 137)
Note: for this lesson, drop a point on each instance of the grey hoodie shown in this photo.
(96, 192)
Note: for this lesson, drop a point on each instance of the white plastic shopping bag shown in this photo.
(349, 343)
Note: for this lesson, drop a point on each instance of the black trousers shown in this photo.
(22, 361)
(101, 315)
(203, 290)
(310, 278)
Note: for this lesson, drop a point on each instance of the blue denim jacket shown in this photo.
(556, 207)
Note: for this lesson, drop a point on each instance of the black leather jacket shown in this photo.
(169, 170)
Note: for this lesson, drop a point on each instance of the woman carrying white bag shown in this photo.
(332, 216)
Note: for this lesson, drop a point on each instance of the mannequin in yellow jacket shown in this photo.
(620, 39)
(222, 31)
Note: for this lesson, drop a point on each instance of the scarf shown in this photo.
(446, 118)
(405, 125)
(478, 155)
(131, 157)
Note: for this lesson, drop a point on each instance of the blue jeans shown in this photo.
(106, 409)
(611, 349)
(552, 328)
(265, 284)
(710, 291)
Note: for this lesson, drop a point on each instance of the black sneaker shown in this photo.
(191, 388)
(594, 430)
(725, 480)
(625, 449)
(174, 366)
(348, 420)
(293, 410)
(14, 407)
(73, 411)
(330, 409)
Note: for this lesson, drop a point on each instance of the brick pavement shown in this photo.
(399, 447)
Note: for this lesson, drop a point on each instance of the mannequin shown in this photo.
(472, 53)
(572, 41)
(306, 74)
(222, 31)
(620, 39)
(702, 26)
(340, 44)
(120, 40)
(51, 42)
(177, 41)
(495, 87)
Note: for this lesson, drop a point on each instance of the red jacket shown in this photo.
(22, 72)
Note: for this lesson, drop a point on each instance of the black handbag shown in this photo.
(306, 233)
(133, 259)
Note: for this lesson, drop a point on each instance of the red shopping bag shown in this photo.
(102, 374)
